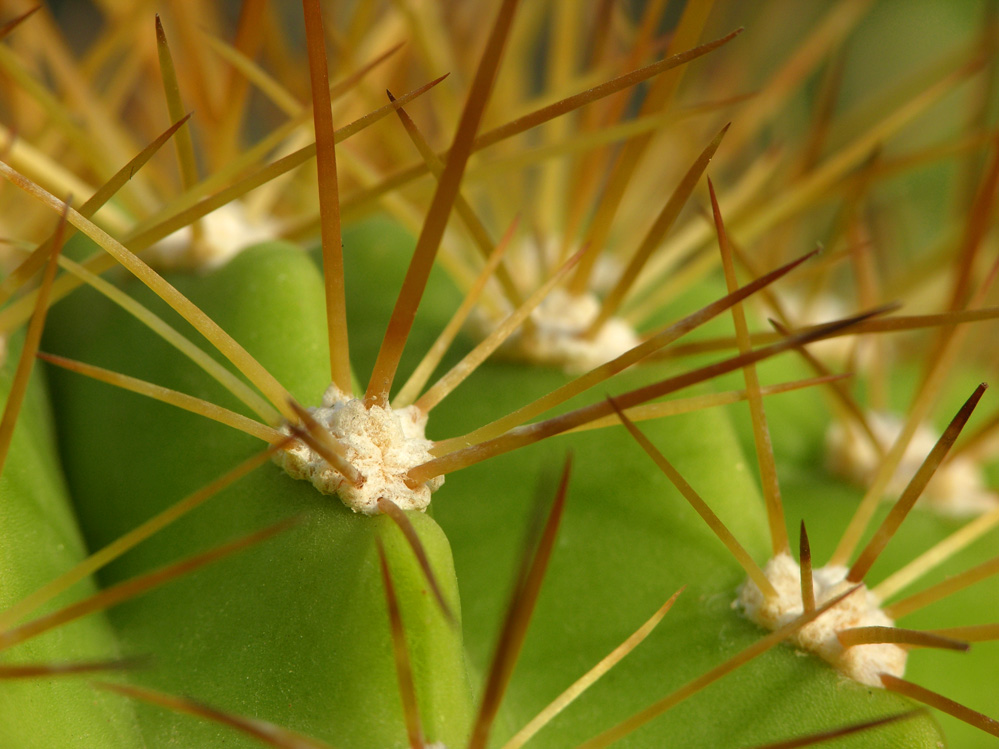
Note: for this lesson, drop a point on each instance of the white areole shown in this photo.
(382, 443)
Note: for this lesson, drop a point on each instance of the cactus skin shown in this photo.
(299, 622)
(294, 631)
(39, 540)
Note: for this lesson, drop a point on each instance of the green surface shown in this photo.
(39, 540)
(295, 631)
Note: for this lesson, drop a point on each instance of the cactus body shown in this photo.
(295, 631)
(39, 540)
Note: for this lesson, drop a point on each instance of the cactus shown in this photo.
(363, 624)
